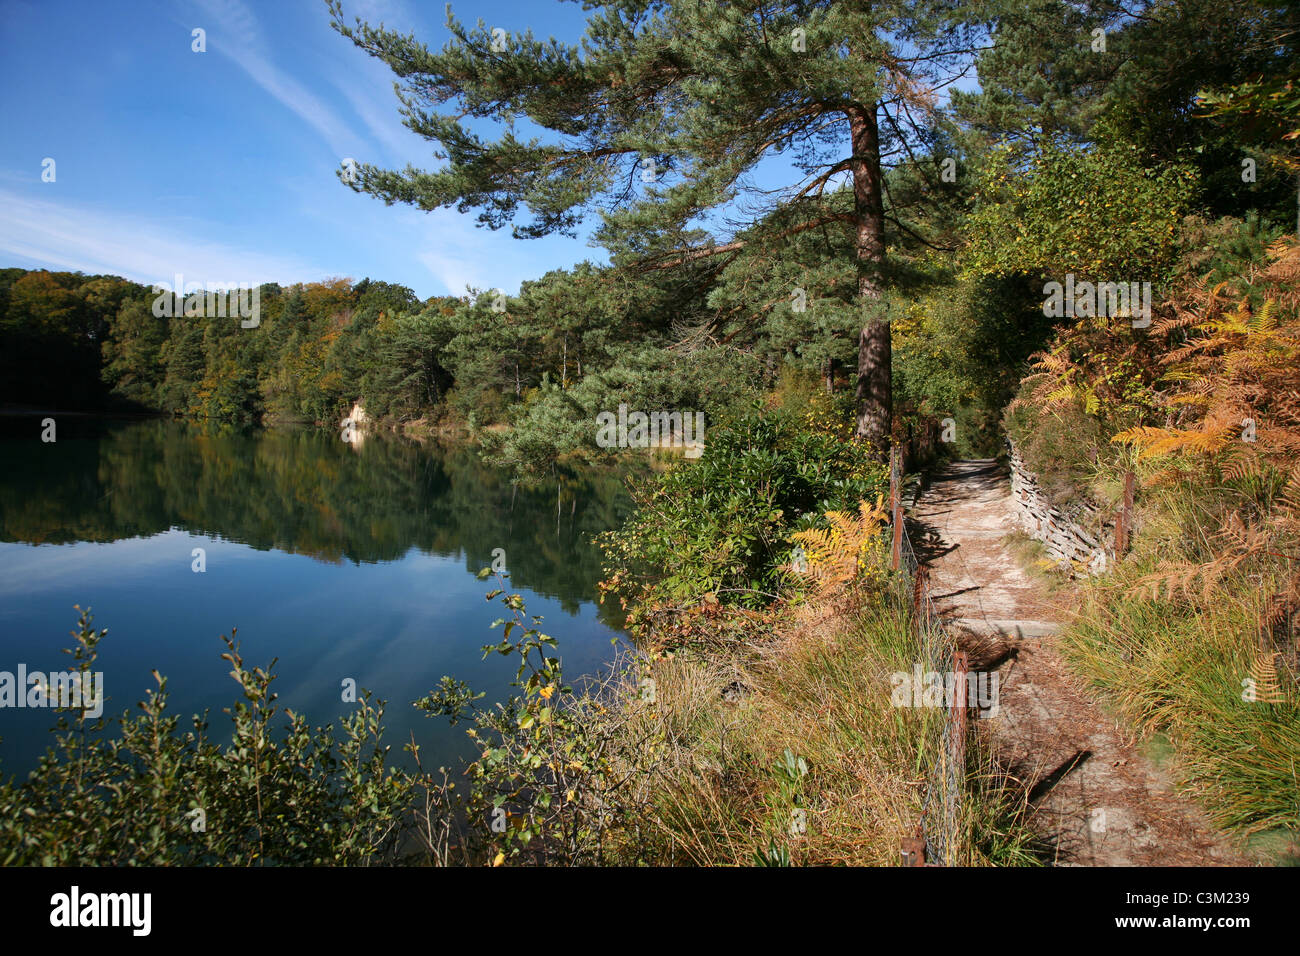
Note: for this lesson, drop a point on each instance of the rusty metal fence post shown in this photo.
(1124, 521)
(960, 675)
(896, 505)
(913, 851)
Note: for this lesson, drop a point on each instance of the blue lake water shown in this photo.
(341, 560)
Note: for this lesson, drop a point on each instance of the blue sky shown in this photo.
(221, 165)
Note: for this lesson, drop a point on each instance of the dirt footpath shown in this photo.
(1094, 798)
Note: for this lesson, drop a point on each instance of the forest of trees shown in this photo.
(942, 233)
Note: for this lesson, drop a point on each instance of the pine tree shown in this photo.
(1130, 72)
(657, 117)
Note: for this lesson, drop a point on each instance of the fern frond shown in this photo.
(835, 554)
(1264, 676)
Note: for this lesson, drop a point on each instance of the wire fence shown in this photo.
(937, 838)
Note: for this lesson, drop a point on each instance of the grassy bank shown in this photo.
(1192, 642)
(769, 627)
(1183, 669)
(748, 736)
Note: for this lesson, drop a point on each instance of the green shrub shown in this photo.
(1059, 445)
(720, 525)
(150, 795)
(557, 774)
(552, 770)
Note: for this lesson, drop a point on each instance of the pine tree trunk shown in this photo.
(874, 398)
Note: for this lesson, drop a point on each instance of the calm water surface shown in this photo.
(342, 561)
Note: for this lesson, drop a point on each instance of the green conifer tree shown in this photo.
(658, 116)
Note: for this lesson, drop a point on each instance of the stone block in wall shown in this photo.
(1078, 536)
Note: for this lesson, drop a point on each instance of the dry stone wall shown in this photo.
(1079, 537)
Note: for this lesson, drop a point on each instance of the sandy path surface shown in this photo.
(1096, 800)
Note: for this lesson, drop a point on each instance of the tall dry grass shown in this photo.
(1204, 666)
(731, 729)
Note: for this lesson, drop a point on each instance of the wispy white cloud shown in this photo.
(465, 255)
(394, 14)
(311, 226)
(238, 35)
(458, 252)
(69, 236)
(453, 271)
(375, 103)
